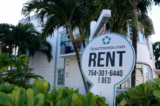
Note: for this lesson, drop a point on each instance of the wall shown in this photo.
(74, 76)
(143, 54)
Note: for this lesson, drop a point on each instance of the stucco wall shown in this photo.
(143, 55)
(74, 78)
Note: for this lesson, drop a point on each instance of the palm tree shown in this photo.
(91, 11)
(37, 45)
(156, 51)
(31, 42)
(136, 12)
(59, 13)
(6, 39)
(26, 38)
(22, 33)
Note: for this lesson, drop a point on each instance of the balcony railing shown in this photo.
(67, 47)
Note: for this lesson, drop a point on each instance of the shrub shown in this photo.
(146, 94)
(38, 95)
(12, 61)
(19, 78)
(16, 77)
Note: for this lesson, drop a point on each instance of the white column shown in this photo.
(92, 26)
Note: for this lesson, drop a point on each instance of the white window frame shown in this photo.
(62, 77)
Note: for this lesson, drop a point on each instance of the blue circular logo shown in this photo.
(106, 40)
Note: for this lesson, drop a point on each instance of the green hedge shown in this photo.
(38, 95)
(146, 94)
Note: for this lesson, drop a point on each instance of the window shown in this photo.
(147, 73)
(139, 76)
(142, 38)
(130, 32)
(62, 37)
(125, 84)
(60, 77)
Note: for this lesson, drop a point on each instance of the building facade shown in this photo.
(63, 69)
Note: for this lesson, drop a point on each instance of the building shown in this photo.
(63, 69)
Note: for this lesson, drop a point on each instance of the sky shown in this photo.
(154, 14)
(10, 12)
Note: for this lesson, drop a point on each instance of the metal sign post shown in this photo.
(106, 62)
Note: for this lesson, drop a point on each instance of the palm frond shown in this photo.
(146, 25)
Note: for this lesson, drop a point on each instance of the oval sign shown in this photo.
(107, 61)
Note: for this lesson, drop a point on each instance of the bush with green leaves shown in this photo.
(20, 78)
(16, 76)
(146, 94)
(40, 95)
(12, 61)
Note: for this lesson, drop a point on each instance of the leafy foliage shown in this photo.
(146, 94)
(19, 78)
(156, 51)
(25, 39)
(38, 95)
(12, 61)
(6, 38)
(122, 14)
(68, 14)
(16, 76)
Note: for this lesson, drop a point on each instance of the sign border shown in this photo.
(127, 74)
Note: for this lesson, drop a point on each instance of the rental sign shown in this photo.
(106, 62)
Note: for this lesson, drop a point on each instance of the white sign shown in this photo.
(106, 62)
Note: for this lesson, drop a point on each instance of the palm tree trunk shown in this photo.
(79, 64)
(84, 44)
(77, 56)
(82, 38)
(134, 43)
(134, 25)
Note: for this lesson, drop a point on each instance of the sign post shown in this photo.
(106, 62)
